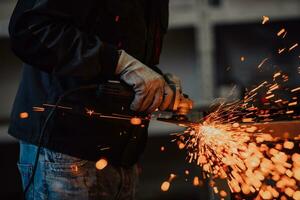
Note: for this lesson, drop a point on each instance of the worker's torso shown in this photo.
(137, 26)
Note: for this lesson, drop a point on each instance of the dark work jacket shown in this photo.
(66, 44)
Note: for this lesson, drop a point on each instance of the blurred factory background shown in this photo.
(212, 45)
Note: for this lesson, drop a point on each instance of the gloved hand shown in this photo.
(151, 90)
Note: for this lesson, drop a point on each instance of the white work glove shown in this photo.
(151, 90)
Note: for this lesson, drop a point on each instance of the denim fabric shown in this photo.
(63, 177)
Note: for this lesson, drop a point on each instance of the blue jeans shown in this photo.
(63, 177)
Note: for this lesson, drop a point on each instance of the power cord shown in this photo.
(43, 130)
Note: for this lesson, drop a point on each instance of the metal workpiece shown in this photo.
(281, 129)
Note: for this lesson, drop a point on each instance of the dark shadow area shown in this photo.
(10, 184)
(157, 165)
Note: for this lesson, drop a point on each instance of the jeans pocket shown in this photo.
(60, 164)
(26, 173)
(68, 179)
(67, 169)
(60, 158)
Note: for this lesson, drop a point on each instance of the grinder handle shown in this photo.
(180, 104)
(115, 89)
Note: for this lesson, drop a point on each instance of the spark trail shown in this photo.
(252, 161)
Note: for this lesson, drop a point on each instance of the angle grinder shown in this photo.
(111, 100)
(121, 95)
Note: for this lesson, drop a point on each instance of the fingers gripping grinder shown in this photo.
(121, 95)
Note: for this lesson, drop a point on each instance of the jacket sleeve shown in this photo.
(47, 34)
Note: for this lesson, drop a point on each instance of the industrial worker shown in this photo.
(66, 44)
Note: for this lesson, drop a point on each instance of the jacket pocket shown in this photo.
(26, 173)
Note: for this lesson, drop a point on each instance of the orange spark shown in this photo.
(265, 19)
(89, 112)
(296, 172)
(265, 194)
(247, 120)
(101, 164)
(223, 193)
(196, 181)
(165, 186)
(181, 145)
(74, 168)
(172, 176)
(235, 125)
(288, 145)
(289, 192)
(38, 109)
(270, 96)
(295, 89)
(215, 190)
(293, 103)
(280, 32)
(281, 50)
(284, 35)
(273, 87)
(24, 115)
(296, 195)
(262, 62)
(259, 86)
(289, 112)
(136, 121)
(293, 47)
